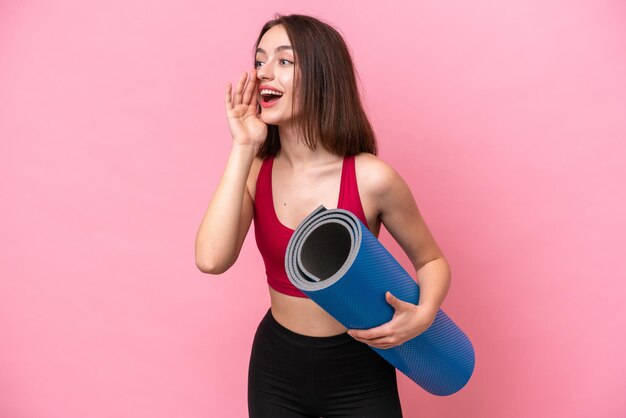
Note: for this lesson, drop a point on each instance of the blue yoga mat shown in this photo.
(338, 263)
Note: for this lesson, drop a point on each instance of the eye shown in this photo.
(283, 60)
(257, 63)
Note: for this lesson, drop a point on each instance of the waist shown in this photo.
(303, 316)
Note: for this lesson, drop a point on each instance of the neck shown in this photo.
(297, 153)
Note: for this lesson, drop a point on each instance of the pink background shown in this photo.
(507, 119)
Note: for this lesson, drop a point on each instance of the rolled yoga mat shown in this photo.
(338, 263)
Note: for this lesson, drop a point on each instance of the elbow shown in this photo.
(207, 267)
(210, 266)
(213, 259)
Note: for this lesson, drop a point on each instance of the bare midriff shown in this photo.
(303, 316)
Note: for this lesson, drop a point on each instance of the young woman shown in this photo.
(300, 139)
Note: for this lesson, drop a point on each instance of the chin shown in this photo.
(272, 120)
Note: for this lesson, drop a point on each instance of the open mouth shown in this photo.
(270, 96)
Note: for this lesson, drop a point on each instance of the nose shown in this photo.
(265, 71)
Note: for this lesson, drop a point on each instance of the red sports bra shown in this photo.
(272, 236)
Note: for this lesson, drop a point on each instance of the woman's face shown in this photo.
(275, 66)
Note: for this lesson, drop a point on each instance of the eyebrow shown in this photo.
(280, 48)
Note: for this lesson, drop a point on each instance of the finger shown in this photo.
(239, 90)
(396, 303)
(250, 88)
(228, 101)
(370, 341)
(370, 334)
(385, 342)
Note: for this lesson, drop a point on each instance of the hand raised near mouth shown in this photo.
(241, 110)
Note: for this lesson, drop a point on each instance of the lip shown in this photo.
(264, 86)
(265, 104)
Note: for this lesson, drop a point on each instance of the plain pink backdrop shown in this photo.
(507, 119)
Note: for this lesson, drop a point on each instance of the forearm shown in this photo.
(217, 238)
(434, 280)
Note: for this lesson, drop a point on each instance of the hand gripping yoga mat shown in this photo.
(338, 263)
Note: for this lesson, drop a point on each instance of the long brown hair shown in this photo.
(331, 108)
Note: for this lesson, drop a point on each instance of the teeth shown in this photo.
(268, 91)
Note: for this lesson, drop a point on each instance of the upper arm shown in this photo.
(400, 215)
(247, 206)
(247, 210)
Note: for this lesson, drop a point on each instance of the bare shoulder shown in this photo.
(253, 175)
(374, 175)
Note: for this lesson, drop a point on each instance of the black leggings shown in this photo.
(294, 375)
